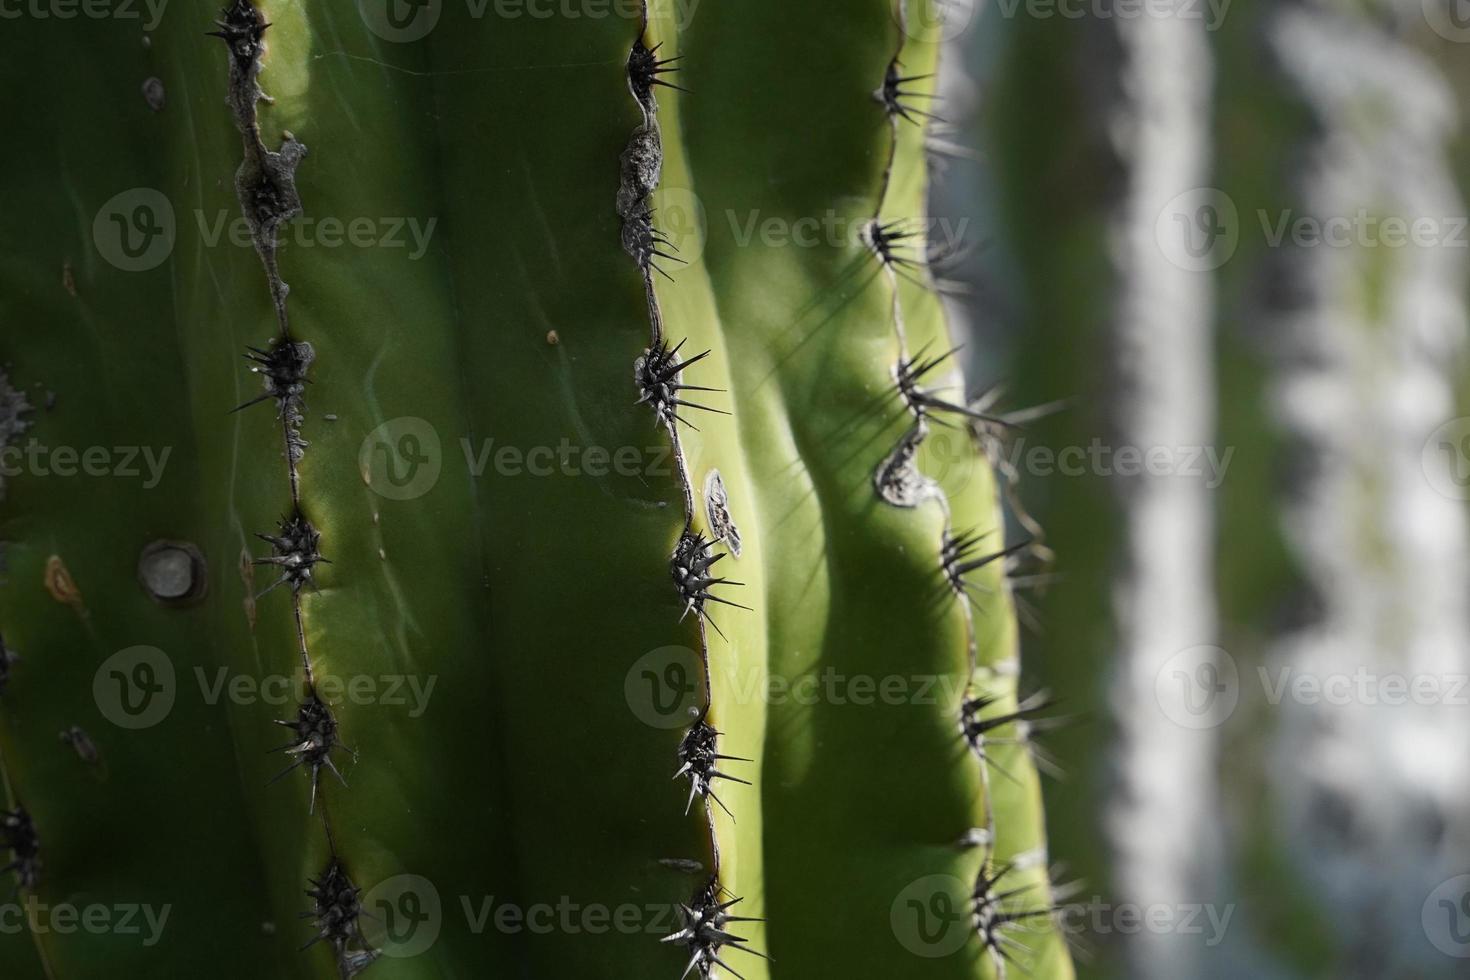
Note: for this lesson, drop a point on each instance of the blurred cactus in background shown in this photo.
(1219, 186)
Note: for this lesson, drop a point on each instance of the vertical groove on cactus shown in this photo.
(266, 186)
(658, 374)
(956, 551)
(266, 180)
(999, 901)
(898, 479)
(889, 242)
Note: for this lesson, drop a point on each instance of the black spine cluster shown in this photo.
(642, 166)
(337, 912)
(705, 931)
(890, 242)
(15, 419)
(645, 242)
(658, 377)
(314, 740)
(693, 560)
(926, 403)
(961, 555)
(283, 371)
(18, 836)
(893, 95)
(297, 549)
(699, 758)
(644, 69)
(242, 27)
(1000, 911)
(1030, 716)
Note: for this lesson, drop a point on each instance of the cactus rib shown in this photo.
(266, 186)
(659, 373)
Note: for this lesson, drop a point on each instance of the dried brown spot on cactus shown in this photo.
(61, 585)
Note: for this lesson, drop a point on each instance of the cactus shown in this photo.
(333, 685)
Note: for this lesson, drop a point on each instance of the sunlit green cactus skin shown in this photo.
(525, 758)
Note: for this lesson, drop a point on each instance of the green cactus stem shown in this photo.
(374, 678)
